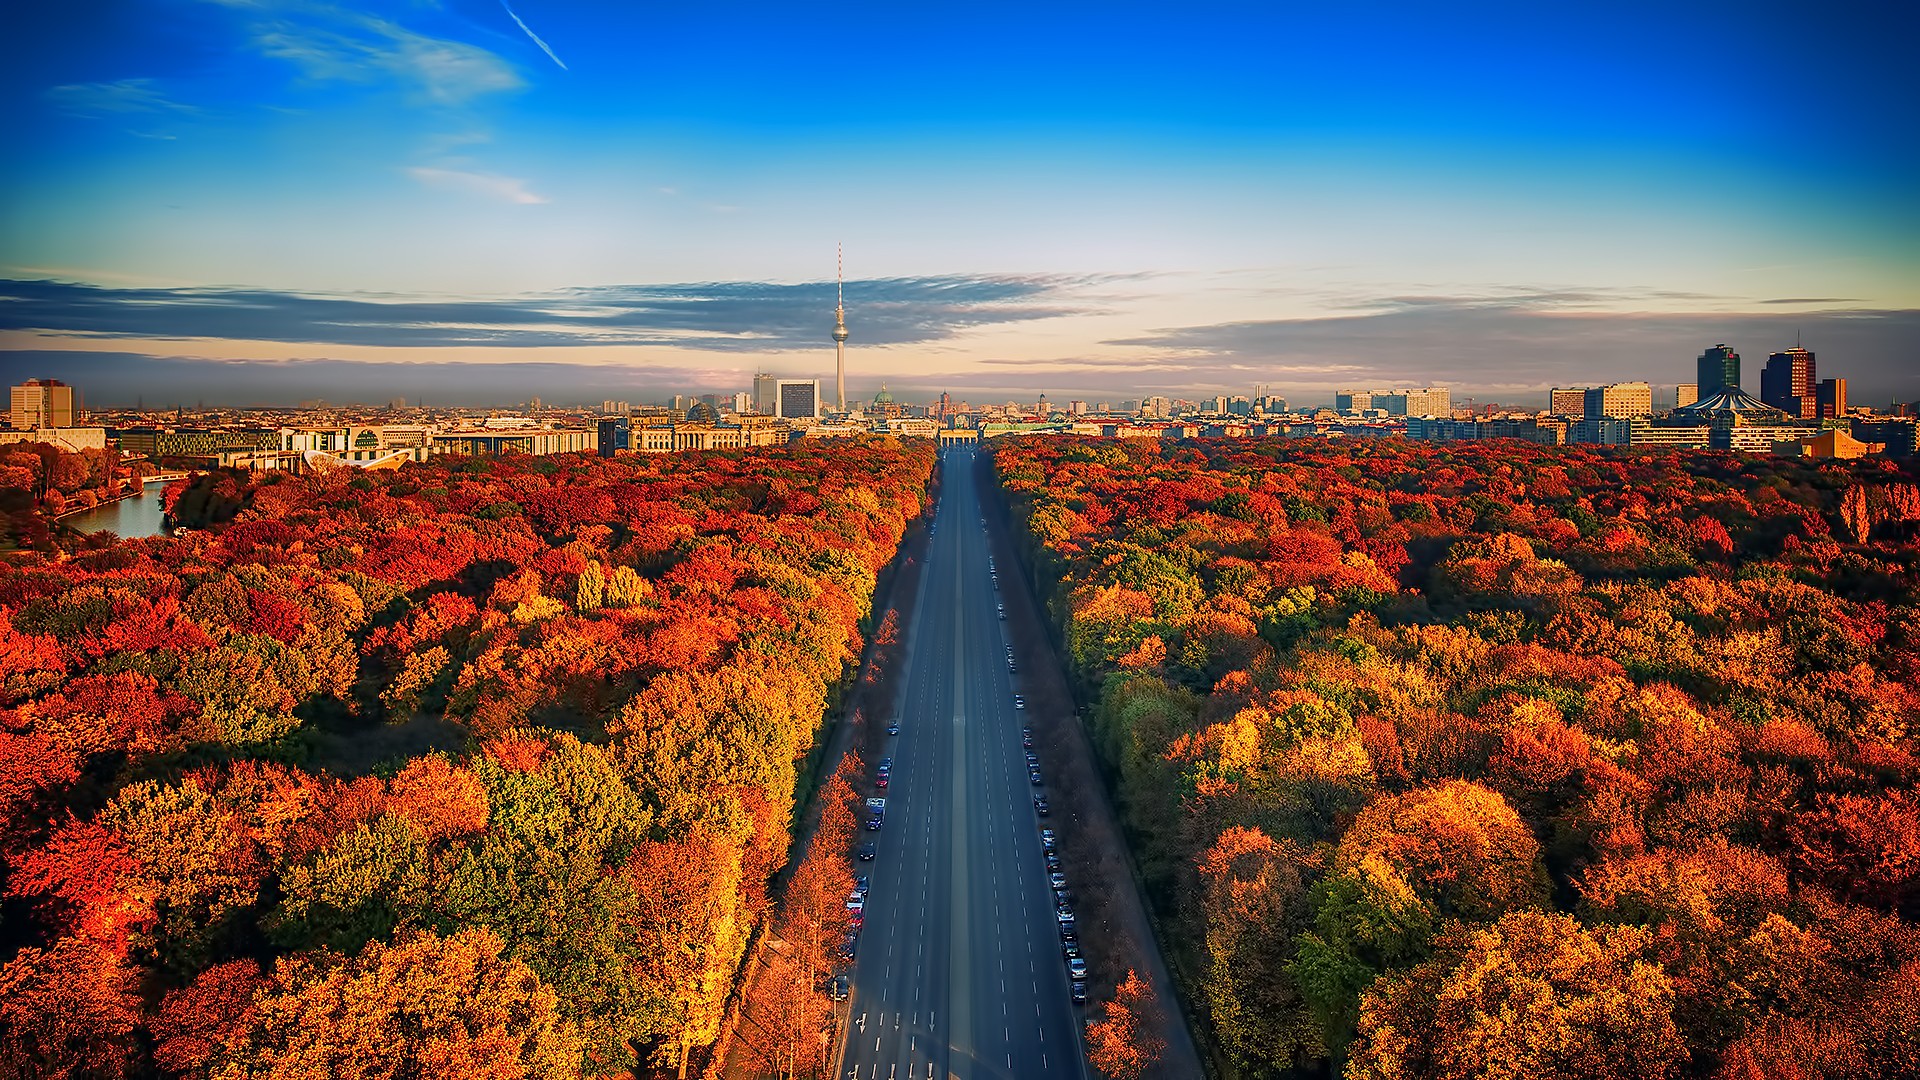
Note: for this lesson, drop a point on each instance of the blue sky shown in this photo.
(256, 197)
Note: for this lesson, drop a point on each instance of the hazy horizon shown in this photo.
(272, 200)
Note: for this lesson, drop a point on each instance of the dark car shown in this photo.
(873, 823)
(893, 728)
(1026, 741)
(1069, 952)
(1035, 777)
(1053, 861)
(837, 990)
(867, 851)
(1040, 807)
(1079, 992)
(850, 946)
(860, 885)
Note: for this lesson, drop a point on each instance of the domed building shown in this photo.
(884, 405)
(703, 413)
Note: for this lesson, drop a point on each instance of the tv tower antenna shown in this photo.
(840, 326)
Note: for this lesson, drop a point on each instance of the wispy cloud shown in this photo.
(712, 316)
(119, 97)
(329, 44)
(505, 188)
(544, 47)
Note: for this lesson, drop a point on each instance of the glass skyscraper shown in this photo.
(1719, 370)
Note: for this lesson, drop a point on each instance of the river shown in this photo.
(128, 518)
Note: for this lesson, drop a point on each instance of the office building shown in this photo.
(1431, 401)
(1620, 400)
(1830, 399)
(614, 434)
(1719, 371)
(1642, 431)
(766, 394)
(1568, 401)
(796, 399)
(1787, 383)
(1353, 401)
(45, 403)
(1600, 431)
(1685, 394)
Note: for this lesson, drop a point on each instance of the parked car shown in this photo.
(1040, 806)
(893, 728)
(1048, 837)
(867, 851)
(1077, 968)
(1035, 777)
(1079, 992)
(837, 990)
(1019, 702)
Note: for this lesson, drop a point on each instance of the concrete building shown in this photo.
(1685, 394)
(70, 439)
(45, 403)
(1568, 401)
(1353, 401)
(1600, 431)
(1619, 400)
(1896, 433)
(1642, 431)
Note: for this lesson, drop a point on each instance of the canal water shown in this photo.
(129, 518)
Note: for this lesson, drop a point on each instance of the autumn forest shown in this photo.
(1436, 761)
(478, 768)
(1500, 760)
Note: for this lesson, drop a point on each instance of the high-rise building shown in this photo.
(1352, 401)
(1431, 401)
(766, 394)
(1621, 400)
(615, 434)
(1568, 401)
(1787, 383)
(797, 399)
(840, 330)
(1685, 394)
(1719, 371)
(45, 403)
(1830, 399)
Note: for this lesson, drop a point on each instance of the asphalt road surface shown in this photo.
(959, 972)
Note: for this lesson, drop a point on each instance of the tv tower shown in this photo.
(840, 327)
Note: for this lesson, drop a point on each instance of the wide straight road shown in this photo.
(959, 971)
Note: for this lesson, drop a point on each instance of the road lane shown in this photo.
(959, 973)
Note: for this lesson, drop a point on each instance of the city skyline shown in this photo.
(281, 199)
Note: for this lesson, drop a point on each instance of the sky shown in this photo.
(462, 202)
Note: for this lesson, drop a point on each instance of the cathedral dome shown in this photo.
(884, 397)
